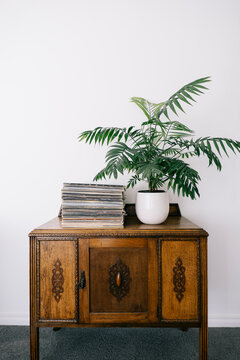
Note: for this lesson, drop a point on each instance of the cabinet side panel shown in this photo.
(57, 280)
(179, 279)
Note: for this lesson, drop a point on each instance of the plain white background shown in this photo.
(67, 66)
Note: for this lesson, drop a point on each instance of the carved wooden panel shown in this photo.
(179, 279)
(118, 279)
(57, 280)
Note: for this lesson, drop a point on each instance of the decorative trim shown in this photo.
(119, 279)
(57, 280)
(57, 237)
(179, 279)
(123, 234)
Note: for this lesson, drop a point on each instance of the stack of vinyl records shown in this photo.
(92, 205)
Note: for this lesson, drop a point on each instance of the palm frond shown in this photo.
(102, 135)
(119, 159)
(182, 178)
(184, 95)
(149, 109)
(211, 147)
(133, 181)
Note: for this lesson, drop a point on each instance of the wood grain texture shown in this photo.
(34, 342)
(101, 300)
(203, 343)
(119, 318)
(33, 280)
(137, 323)
(172, 308)
(152, 280)
(50, 252)
(118, 242)
(176, 225)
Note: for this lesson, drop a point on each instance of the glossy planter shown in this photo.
(152, 207)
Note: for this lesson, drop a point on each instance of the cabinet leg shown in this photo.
(203, 343)
(34, 343)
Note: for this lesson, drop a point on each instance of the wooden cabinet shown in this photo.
(141, 275)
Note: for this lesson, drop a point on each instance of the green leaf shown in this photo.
(230, 145)
(111, 132)
(223, 147)
(142, 104)
(188, 95)
(120, 136)
(177, 104)
(172, 108)
(166, 113)
(183, 93)
(236, 145)
(216, 146)
(181, 97)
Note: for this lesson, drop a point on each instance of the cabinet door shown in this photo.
(179, 280)
(119, 280)
(57, 280)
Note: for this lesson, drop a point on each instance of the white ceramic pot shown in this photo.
(152, 207)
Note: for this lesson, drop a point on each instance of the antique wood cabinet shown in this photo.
(141, 275)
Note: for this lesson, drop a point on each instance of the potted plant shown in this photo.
(157, 152)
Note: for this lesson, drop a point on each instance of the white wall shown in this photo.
(67, 66)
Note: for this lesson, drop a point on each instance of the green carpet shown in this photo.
(119, 344)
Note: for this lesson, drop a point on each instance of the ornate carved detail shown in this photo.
(119, 279)
(179, 279)
(57, 280)
(181, 234)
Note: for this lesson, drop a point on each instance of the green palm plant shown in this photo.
(156, 152)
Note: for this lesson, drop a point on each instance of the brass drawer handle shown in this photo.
(82, 282)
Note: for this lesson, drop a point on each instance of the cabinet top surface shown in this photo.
(173, 224)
